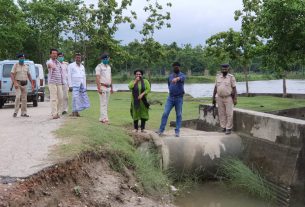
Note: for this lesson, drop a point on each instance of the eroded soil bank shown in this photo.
(87, 180)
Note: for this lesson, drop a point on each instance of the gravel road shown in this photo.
(26, 142)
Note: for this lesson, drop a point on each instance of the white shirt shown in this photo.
(64, 67)
(76, 75)
(104, 71)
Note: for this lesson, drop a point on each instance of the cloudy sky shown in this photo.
(192, 21)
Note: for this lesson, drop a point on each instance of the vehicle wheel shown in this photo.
(35, 101)
(42, 98)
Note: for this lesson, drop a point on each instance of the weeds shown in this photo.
(242, 177)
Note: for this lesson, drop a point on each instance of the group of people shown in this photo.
(64, 77)
(225, 95)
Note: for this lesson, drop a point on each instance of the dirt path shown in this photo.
(26, 142)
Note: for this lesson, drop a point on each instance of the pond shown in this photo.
(199, 90)
(217, 194)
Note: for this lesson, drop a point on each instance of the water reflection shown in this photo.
(215, 194)
(206, 89)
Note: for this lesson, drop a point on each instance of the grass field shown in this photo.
(87, 133)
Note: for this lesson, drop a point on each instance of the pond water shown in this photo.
(198, 90)
(214, 194)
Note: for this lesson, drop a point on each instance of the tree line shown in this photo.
(272, 36)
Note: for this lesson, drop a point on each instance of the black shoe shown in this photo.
(15, 115)
(228, 131)
(223, 130)
(25, 115)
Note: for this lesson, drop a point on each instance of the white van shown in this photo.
(7, 89)
(41, 83)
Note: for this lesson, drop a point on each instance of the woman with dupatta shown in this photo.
(140, 87)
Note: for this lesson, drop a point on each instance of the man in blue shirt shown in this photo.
(175, 99)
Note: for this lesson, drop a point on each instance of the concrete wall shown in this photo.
(274, 145)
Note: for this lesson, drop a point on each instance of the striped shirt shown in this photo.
(55, 72)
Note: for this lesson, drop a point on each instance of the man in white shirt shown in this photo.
(65, 87)
(77, 84)
(104, 86)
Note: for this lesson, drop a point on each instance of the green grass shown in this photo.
(242, 177)
(87, 133)
(268, 103)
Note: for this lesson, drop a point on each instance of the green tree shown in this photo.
(48, 20)
(156, 20)
(282, 23)
(13, 29)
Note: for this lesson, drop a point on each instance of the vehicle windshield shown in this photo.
(7, 68)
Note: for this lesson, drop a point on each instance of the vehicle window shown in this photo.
(37, 71)
(7, 68)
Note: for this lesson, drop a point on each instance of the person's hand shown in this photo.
(214, 101)
(70, 89)
(140, 96)
(175, 80)
(137, 79)
(235, 101)
(33, 88)
(16, 85)
(111, 90)
(99, 91)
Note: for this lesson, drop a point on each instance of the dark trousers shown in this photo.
(136, 124)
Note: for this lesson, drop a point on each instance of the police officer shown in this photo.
(20, 74)
(225, 88)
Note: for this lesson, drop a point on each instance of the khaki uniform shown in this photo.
(21, 74)
(104, 71)
(224, 99)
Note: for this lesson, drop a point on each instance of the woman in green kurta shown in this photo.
(140, 87)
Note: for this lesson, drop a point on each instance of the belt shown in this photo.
(22, 82)
(224, 96)
(106, 85)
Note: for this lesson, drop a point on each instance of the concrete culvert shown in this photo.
(196, 149)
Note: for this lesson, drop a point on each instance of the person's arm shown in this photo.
(234, 91)
(50, 65)
(31, 81)
(111, 87)
(98, 79)
(85, 79)
(215, 92)
(214, 95)
(69, 76)
(181, 77)
(234, 95)
(13, 74)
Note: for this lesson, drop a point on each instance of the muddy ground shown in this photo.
(84, 181)
(28, 177)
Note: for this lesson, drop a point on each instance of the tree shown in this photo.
(156, 20)
(48, 20)
(13, 29)
(236, 46)
(283, 24)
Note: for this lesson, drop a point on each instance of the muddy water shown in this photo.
(218, 195)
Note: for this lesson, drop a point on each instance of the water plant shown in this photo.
(242, 177)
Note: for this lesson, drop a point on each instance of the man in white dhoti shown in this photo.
(77, 84)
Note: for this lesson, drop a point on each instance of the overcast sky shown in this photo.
(192, 21)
